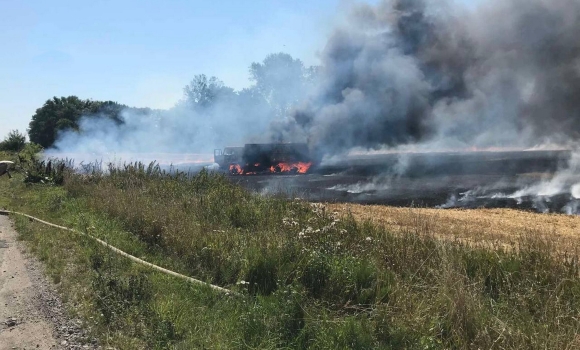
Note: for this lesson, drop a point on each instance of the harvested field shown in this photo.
(489, 226)
(452, 180)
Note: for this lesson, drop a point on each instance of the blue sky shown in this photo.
(143, 52)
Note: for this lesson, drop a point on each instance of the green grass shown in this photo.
(309, 278)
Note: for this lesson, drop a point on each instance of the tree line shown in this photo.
(279, 82)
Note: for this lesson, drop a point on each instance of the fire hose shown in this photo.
(127, 255)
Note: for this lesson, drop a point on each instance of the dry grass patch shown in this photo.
(503, 227)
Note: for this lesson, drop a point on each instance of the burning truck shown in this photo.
(265, 158)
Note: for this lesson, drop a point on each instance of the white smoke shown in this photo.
(362, 187)
(565, 181)
(575, 191)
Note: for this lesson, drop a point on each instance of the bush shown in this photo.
(46, 172)
(13, 142)
(29, 152)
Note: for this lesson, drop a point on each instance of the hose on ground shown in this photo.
(127, 255)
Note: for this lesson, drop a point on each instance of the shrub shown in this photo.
(13, 142)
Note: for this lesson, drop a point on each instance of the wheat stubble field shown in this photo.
(495, 226)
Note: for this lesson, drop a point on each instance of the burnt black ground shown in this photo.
(452, 179)
(474, 179)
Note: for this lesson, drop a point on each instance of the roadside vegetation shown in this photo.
(309, 277)
(15, 141)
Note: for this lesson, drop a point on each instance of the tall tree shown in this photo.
(282, 80)
(58, 114)
(203, 92)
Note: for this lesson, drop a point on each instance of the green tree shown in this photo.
(282, 80)
(58, 114)
(203, 92)
(14, 141)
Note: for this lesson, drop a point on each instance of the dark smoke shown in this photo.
(408, 71)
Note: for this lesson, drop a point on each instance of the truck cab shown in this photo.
(228, 156)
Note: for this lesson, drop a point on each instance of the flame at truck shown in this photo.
(265, 158)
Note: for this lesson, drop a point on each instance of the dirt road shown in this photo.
(23, 324)
(31, 313)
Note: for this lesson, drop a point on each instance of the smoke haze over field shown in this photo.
(407, 71)
(210, 115)
(397, 73)
(178, 130)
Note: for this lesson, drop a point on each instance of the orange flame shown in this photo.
(298, 167)
(280, 168)
(236, 169)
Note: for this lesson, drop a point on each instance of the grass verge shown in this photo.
(311, 277)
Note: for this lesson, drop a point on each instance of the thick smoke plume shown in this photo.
(408, 71)
(395, 74)
(407, 75)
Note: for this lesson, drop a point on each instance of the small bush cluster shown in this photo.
(46, 171)
(27, 159)
(13, 142)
